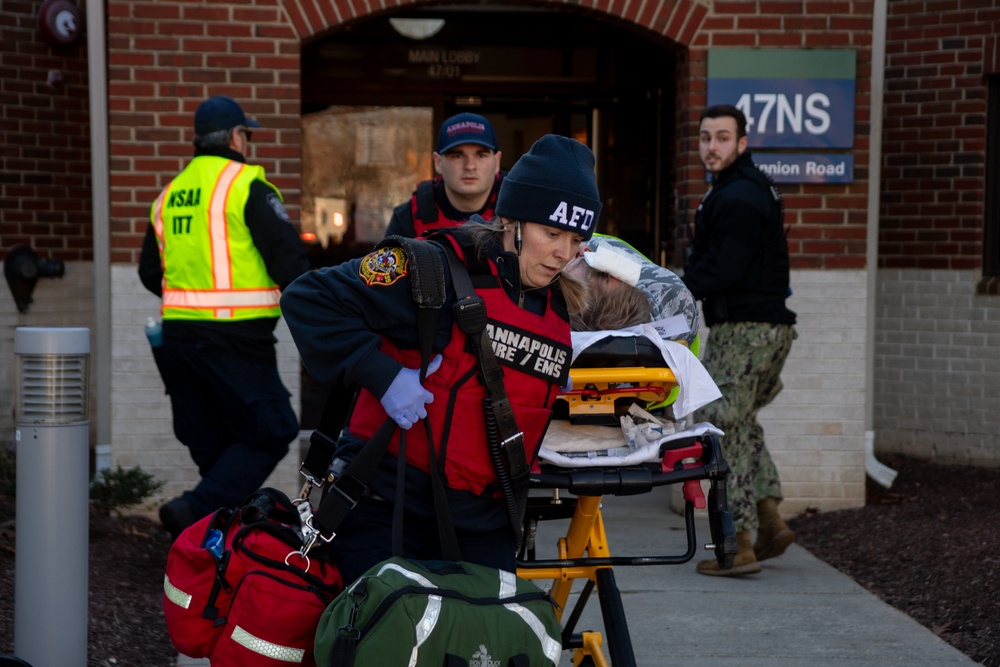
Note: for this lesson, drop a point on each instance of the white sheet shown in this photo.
(618, 456)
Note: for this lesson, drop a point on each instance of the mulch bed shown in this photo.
(127, 558)
(929, 546)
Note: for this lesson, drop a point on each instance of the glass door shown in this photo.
(358, 162)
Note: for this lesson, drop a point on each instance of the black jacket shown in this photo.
(738, 265)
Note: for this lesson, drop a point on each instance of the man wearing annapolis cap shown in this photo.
(468, 166)
(218, 250)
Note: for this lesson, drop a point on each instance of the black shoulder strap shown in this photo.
(426, 209)
(470, 312)
(506, 442)
(323, 440)
(430, 295)
(427, 277)
(427, 280)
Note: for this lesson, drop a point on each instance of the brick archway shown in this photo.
(677, 20)
(164, 59)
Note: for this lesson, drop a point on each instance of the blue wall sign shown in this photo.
(792, 98)
(806, 168)
(791, 113)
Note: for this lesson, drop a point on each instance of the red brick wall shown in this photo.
(166, 56)
(44, 140)
(934, 132)
(828, 222)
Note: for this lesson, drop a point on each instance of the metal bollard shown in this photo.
(53, 463)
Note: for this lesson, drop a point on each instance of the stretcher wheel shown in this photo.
(727, 546)
(722, 527)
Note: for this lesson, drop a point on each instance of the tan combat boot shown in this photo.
(743, 563)
(773, 535)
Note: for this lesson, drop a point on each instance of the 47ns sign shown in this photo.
(791, 98)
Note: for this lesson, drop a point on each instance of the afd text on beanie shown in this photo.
(553, 184)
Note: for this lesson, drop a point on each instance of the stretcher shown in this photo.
(608, 378)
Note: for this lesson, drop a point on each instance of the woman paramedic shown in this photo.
(355, 324)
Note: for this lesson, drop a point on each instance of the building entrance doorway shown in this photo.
(529, 71)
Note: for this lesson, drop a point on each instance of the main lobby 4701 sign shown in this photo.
(793, 100)
(443, 63)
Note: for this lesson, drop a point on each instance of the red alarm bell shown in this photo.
(60, 22)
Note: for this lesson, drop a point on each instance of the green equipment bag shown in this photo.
(439, 614)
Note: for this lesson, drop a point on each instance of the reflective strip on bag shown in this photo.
(266, 648)
(508, 588)
(432, 612)
(551, 647)
(508, 584)
(409, 574)
(175, 595)
(428, 621)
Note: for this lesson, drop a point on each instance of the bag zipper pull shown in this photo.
(358, 597)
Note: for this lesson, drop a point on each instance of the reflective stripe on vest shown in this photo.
(215, 272)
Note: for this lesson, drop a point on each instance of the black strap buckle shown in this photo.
(513, 449)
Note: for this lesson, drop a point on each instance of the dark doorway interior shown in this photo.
(530, 72)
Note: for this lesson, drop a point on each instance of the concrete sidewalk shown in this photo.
(798, 612)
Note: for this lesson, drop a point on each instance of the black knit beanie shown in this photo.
(553, 184)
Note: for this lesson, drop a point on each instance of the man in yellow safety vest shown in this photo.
(218, 250)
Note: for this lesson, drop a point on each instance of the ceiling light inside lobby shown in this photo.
(417, 28)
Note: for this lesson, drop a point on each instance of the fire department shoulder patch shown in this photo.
(384, 266)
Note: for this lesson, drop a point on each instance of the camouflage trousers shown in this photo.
(745, 360)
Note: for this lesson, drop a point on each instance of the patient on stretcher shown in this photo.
(633, 383)
(607, 264)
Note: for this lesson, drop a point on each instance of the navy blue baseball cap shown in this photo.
(220, 113)
(466, 128)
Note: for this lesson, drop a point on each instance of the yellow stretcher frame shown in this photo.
(583, 553)
(656, 397)
(601, 388)
(585, 536)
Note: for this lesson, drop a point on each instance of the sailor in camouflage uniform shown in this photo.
(738, 267)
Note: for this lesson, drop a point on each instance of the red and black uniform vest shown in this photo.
(535, 352)
(428, 216)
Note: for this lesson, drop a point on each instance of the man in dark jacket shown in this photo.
(468, 166)
(738, 268)
(218, 250)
